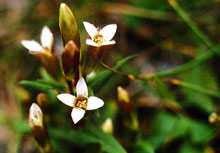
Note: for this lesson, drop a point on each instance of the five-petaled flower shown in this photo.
(82, 102)
(100, 37)
(46, 42)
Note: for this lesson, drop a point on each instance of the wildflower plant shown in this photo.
(70, 73)
(78, 77)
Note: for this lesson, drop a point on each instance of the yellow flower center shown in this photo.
(81, 103)
(98, 39)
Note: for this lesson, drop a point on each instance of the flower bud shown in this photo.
(107, 126)
(124, 100)
(213, 118)
(68, 26)
(38, 129)
(42, 98)
(94, 55)
(37, 125)
(70, 61)
(35, 116)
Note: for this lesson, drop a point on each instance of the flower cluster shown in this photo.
(72, 61)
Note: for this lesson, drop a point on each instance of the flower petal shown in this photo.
(67, 99)
(91, 29)
(91, 75)
(81, 88)
(46, 37)
(32, 45)
(108, 43)
(77, 114)
(35, 112)
(108, 31)
(91, 43)
(35, 116)
(94, 103)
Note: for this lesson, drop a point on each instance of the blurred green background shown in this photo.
(169, 116)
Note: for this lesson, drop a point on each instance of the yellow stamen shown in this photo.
(81, 104)
(98, 38)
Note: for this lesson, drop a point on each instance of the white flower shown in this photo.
(46, 42)
(100, 37)
(82, 102)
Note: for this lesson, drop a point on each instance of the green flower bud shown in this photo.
(68, 25)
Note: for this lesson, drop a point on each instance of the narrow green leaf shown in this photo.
(36, 86)
(201, 78)
(193, 26)
(163, 90)
(187, 66)
(43, 85)
(144, 146)
(165, 93)
(108, 142)
(200, 89)
(92, 135)
(45, 75)
(52, 84)
(187, 147)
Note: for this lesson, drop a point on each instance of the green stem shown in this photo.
(196, 88)
(193, 26)
(197, 61)
(19, 142)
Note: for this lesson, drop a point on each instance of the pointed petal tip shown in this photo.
(35, 112)
(81, 88)
(113, 26)
(77, 115)
(90, 28)
(45, 28)
(32, 45)
(85, 22)
(46, 37)
(34, 106)
(109, 31)
(62, 5)
(82, 79)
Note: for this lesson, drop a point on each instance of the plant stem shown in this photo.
(197, 61)
(193, 26)
(195, 87)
